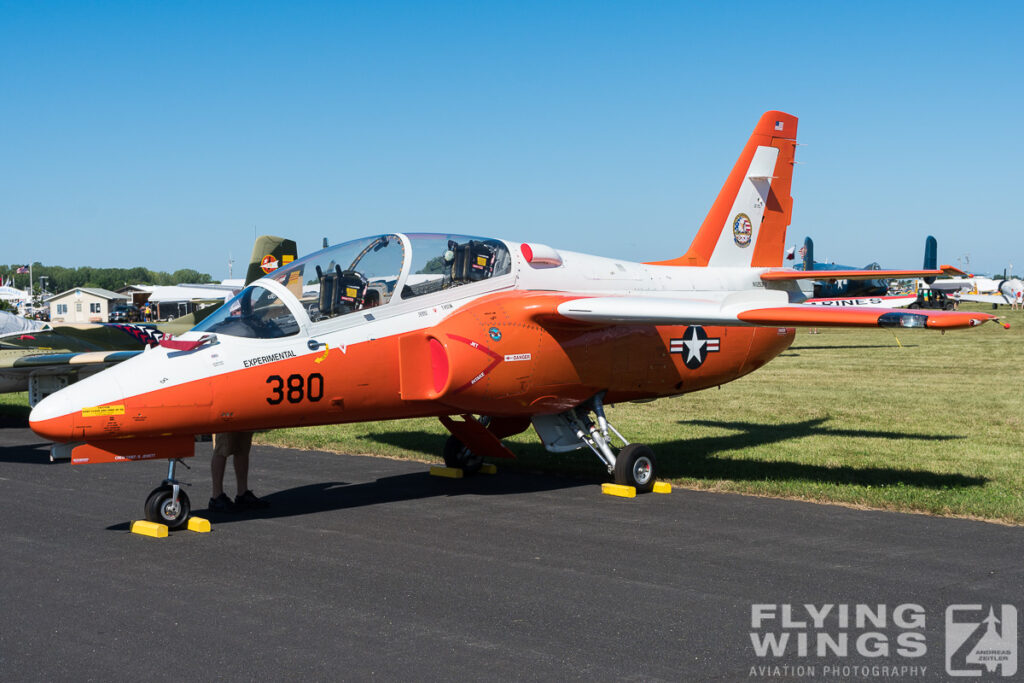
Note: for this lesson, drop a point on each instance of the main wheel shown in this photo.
(161, 509)
(457, 455)
(635, 466)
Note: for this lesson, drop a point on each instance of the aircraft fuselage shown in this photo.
(496, 347)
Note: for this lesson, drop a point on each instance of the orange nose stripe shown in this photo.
(56, 428)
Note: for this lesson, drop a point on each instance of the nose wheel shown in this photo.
(168, 504)
(165, 507)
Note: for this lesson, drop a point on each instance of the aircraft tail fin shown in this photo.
(931, 256)
(746, 225)
(808, 259)
(268, 254)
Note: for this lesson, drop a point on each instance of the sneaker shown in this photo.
(250, 501)
(221, 504)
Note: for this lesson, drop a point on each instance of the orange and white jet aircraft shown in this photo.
(501, 333)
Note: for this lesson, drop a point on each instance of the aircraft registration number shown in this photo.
(296, 388)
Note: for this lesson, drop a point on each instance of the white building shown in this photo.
(17, 298)
(83, 305)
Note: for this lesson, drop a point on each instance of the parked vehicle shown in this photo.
(930, 298)
(124, 313)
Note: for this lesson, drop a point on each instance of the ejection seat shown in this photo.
(341, 291)
(473, 261)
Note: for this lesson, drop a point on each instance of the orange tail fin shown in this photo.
(746, 225)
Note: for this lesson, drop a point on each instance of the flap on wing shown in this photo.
(755, 308)
(778, 275)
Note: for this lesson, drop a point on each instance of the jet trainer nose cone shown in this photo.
(52, 418)
(59, 416)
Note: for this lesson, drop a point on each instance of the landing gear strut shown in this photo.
(634, 465)
(167, 503)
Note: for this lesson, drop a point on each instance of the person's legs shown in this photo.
(242, 446)
(219, 461)
(245, 499)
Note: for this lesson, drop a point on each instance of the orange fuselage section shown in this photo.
(499, 356)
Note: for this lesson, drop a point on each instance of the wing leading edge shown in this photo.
(625, 310)
(780, 275)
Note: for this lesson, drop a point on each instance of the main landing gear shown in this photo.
(474, 438)
(457, 455)
(168, 504)
(634, 464)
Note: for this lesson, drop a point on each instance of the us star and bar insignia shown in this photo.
(694, 346)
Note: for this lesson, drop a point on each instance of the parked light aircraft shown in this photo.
(838, 290)
(501, 333)
(978, 289)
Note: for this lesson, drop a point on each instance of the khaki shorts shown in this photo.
(233, 443)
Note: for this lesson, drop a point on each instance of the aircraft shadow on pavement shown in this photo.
(27, 454)
(14, 416)
(338, 495)
(697, 457)
(530, 457)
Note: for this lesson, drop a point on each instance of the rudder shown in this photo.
(746, 225)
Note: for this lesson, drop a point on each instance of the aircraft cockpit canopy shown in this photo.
(365, 273)
(358, 276)
(442, 261)
(255, 312)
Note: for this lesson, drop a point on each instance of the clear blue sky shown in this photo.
(164, 134)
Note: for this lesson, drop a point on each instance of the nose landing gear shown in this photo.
(167, 503)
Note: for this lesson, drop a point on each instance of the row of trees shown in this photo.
(59, 278)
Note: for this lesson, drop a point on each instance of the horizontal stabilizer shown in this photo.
(780, 275)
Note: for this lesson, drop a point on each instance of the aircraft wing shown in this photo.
(983, 298)
(85, 337)
(18, 367)
(780, 275)
(767, 311)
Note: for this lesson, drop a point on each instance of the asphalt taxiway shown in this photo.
(369, 567)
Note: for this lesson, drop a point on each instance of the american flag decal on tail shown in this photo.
(778, 125)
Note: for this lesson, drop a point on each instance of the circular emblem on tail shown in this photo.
(741, 230)
(268, 264)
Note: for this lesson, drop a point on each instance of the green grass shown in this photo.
(843, 416)
(14, 409)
